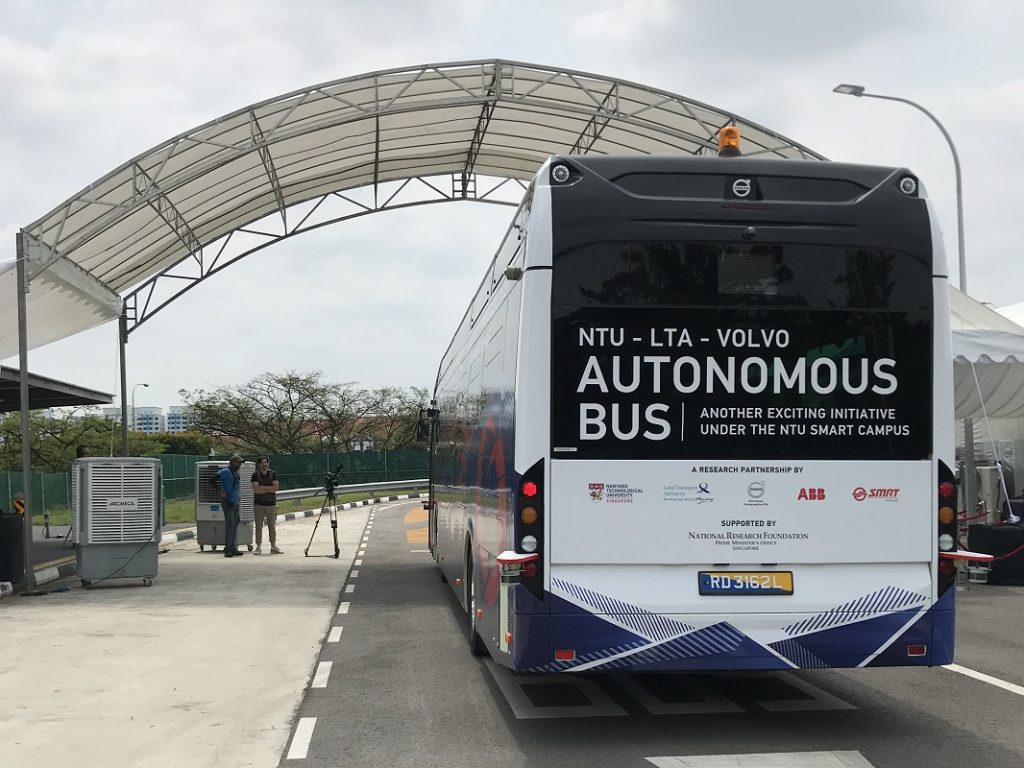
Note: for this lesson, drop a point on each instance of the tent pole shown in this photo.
(122, 341)
(970, 479)
(26, 421)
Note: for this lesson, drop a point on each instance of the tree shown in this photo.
(184, 443)
(301, 413)
(55, 439)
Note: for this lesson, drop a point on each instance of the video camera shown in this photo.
(332, 480)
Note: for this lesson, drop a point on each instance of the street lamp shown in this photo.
(970, 491)
(858, 90)
(140, 384)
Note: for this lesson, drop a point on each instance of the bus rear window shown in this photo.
(738, 274)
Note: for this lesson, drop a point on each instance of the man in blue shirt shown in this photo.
(230, 497)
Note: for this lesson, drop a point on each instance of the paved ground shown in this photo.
(294, 661)
(204, 668)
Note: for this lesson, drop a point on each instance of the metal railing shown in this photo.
(299, 493)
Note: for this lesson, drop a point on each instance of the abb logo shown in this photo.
(811, 494)
(860, 494)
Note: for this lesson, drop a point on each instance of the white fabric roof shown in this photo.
(989, 346)
(457, 120)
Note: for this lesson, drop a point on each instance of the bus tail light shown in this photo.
(917, 650)
(947, 526)
(530, 527)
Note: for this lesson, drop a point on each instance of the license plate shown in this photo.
(745, 582)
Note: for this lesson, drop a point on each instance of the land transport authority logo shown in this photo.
(688, 493)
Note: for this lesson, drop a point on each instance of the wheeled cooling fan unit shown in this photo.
(115, 518)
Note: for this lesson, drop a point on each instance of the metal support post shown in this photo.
(122, 341)
(26, 421)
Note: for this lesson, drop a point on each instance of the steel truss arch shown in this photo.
(162, 216)
(157, 292)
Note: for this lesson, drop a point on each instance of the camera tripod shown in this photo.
(330, 506)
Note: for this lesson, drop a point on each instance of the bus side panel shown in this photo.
(474, 457)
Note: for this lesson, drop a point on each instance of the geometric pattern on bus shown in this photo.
(798, 654)
(880, 601)
(710, 641)
(849, 645)
(646, 624)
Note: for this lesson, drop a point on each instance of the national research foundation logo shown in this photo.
(597, 492)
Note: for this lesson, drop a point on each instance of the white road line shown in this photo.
(361, 552)
(419, 550)
(358, 563)
(300, 741)
(335, 635)
(323, 671)
(350, 588)
(343, 608)
(767, 760)
(354, 574)
(1011, 687)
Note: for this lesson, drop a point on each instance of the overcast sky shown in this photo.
(86, 85)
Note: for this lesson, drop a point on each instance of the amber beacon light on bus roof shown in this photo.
(729, 141)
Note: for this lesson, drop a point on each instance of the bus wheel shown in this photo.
(476, 645)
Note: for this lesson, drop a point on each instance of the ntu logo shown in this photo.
(811, 494)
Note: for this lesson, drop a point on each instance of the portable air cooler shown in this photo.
(115, 518)
(210, 516)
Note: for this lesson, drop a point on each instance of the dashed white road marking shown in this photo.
(354, 574)
(343, 608)
(361, 552)
(350, 588)
(1011, 687)
(767, 760)
(358, 563)
(323, 672)
(301, 739)
(419, 550)
(335, 634)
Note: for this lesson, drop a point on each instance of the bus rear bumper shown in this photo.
(581, 641)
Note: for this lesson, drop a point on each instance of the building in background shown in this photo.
(148, 420)
(177, 418)
(152, 419)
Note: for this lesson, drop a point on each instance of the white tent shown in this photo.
(988, 360)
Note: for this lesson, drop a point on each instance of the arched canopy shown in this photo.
(172, 216)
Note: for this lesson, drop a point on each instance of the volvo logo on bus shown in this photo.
(741, 187)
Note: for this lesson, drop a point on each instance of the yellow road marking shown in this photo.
(51, 563)
(416, 536)
(416, 516)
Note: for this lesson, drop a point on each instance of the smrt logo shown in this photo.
(860, 494)
(812, 494)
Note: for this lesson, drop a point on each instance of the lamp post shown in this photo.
(140, 384)
(968, 481)
(858, 90)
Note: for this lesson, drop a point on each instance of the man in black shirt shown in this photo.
(264, 488)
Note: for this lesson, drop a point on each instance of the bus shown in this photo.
(698, 416)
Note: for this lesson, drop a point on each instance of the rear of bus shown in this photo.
(751, 417)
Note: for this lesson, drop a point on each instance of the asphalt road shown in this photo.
(397, 686)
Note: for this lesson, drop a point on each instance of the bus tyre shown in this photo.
(476, 645)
